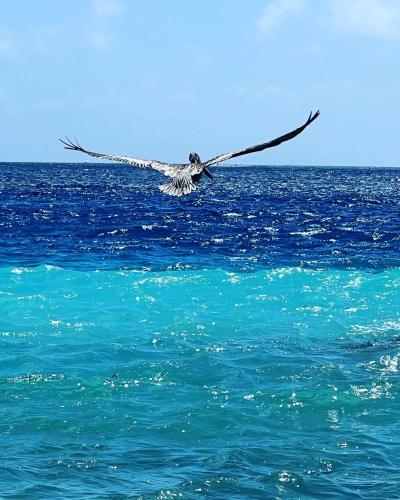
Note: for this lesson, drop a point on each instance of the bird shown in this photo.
(186, 176)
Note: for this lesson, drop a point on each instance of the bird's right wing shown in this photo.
(167, 169)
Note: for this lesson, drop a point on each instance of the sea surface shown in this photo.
(239, 343)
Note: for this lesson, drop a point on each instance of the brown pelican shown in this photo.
(186, 176)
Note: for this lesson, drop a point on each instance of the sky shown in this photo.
(158, 79)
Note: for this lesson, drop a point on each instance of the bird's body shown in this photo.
(185, 181)
(186, 176)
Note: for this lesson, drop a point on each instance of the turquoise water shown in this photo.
(282, 382)
(164, 349)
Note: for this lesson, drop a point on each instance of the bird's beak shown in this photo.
(208, 174)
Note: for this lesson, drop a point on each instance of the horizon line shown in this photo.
(229, 165)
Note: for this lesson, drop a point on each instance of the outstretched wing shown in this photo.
(167, 169)
(265, 145)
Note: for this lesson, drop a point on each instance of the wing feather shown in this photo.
(167, 169)
(265, 145)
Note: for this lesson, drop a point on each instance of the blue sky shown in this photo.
(158, 79)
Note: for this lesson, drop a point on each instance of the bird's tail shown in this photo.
(175, 188)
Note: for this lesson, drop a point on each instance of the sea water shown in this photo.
(240, 342)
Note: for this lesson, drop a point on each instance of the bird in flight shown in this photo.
(186, 176)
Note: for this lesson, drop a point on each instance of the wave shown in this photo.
(220, 303)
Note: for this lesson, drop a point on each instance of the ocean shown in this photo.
(241, 342)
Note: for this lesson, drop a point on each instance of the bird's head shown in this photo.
(194, 158)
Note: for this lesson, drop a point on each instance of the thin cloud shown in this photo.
(183, 96)
(200, 58)
(374, 18)
(106, 8)
(101, 40)
(100, 35)
(50, 105)
(260, 92)
(276, 13)
(7, 43)
(45, 39)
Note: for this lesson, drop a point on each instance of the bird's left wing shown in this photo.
(167, 169)
(265, 145)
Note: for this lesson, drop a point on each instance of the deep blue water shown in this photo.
(241, 342)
